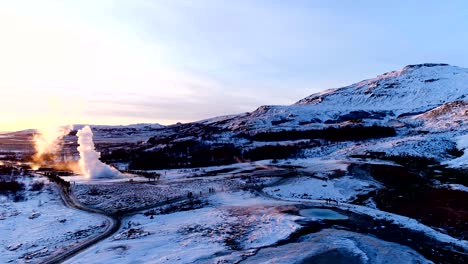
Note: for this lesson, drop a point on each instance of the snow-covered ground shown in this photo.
(403, 221)
(41, 226)
(133, 191)
(317, 166)
(338, 246)
(449, 116)
(124, 196)
(182, 174)
(231, 222)
(408, 223)
(461, 162)
(458, 187)
(339, 189)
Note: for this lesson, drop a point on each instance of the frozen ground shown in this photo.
(402, 221)
(461, 162)
(430, 146)
(320, 179)
(459, 187)
(337, 246)
(41, 226)
(125, 196)
(180, 174)
(134, 191)
(230, 226)
(339, 189)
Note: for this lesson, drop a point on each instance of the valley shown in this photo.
(374, 169)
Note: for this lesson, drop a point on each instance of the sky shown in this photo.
(136, 61)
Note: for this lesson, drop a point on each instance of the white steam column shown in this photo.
(89, 163)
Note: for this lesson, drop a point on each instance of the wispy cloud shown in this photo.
(133, 61)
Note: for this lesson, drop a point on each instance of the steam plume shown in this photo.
(48, 144)
(89, 163)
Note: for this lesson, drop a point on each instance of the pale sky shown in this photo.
(122, 62)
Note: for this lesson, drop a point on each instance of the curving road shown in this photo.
(112, 224)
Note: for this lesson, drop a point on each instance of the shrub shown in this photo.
(37, 186)
(93, 191)
(455, 152)
(331, 134)
(11, 185)
(271, 152)
(18, 197)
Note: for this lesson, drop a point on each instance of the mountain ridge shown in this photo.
(411, 90)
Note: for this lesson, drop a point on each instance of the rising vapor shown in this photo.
(48, 143)
(89, 163)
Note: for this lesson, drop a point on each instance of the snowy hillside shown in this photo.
(417, 111)
(447, 116)
(415, 87)
(412, 90)
(120, 134)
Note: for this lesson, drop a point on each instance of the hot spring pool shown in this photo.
(325, 214)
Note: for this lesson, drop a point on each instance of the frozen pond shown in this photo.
(322, 214)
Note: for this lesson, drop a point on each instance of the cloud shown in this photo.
(175, 109)
(183, 60)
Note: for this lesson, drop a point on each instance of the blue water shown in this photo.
(326, 214)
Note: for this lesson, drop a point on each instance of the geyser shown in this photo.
(89, 162)
(48, 143)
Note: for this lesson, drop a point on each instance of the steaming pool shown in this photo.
(324, 214)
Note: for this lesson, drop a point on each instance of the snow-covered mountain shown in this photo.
(412, 90)
(418, 111)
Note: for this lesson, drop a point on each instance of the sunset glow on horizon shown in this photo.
(127, 62)
(253, 131)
